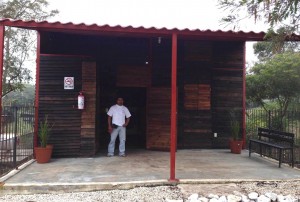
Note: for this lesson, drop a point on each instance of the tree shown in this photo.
(273, 12)
(18, 97)
(276, 79)
(265, 50)
(19, 43)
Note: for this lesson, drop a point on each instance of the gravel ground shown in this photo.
(162, 193)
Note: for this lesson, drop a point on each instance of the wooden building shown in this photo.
(178, 84)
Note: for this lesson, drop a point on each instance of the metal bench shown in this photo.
(282, 141)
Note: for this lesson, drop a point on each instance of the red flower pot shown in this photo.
(43, 154)
(236, 146)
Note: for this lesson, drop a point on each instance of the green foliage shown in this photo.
(20, 97)
(20, 43)
(276, 122)
(234, 124)
(26, 9)
(272, 12)
(44, 131)
(275, 43)
(276, 79)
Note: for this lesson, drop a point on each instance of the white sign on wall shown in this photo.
(69, 83)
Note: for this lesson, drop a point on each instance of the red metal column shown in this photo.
(173, 109)
(37, 89)
(244, 99)
(2, 32)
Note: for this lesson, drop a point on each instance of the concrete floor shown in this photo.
(148, 167)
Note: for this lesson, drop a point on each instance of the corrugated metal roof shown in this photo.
(130, 30)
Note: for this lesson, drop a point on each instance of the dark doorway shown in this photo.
(135, 101)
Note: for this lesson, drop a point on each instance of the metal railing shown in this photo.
(273, 119)
(16, 138)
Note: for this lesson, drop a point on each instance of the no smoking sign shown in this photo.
(69, 83)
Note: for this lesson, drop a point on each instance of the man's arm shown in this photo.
(109, 124)
(126, 122)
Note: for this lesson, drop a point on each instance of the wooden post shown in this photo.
(2, 32)
(37, 89)
(173, 135)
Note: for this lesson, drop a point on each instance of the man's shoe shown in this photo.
(122, 155)
(110, 155)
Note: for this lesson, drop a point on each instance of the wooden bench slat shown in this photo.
(270, 144)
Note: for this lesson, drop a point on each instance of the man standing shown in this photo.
(118, 119)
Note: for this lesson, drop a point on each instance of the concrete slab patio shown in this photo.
(143, 167)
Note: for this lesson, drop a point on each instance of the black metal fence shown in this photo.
(274, 119)
(16, 138)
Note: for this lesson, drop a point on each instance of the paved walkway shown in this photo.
(143, 167)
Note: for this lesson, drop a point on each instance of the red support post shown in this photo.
(37, 89)
(2, 32)
(173, 110)
(244, 99)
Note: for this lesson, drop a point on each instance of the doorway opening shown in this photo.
(135, 101)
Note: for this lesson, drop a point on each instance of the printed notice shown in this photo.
(68, 83)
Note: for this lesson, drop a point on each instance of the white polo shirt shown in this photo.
(118, 114)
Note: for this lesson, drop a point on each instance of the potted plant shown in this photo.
(44, 151)
(235, 142)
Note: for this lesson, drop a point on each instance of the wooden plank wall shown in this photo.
(216, 65)
(59, 104)
(197, 97)
(159, 97)
(88, 115)
(133, 76)
(194, 105)
(158, 118)
(227, 91)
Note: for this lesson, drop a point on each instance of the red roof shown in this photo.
(129, 30)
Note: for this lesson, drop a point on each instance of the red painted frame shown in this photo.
(37, 90)
(244, 99)
(2, 32)
(132, 31)
(173, 136)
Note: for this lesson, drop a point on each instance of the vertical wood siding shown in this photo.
(159, 97)
(88, 115)
(58, 103)
(227, 83)
(195, 95)
(220, 66)
(158, 118)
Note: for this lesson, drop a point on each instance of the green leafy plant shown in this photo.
(44, 131)
(234, 125)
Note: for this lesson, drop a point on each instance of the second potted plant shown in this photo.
(235, 142)
(44, 151)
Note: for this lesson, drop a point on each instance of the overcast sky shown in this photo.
(191, 14)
